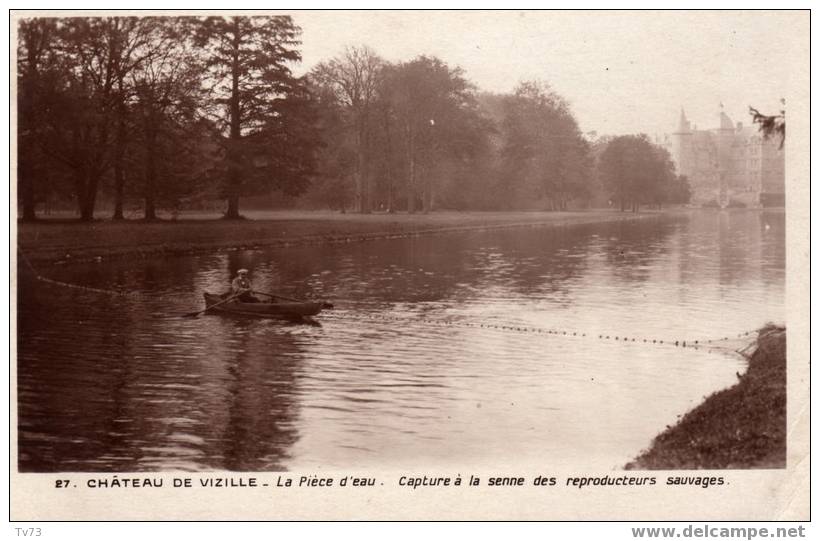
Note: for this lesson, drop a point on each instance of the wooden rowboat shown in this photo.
(286, 309)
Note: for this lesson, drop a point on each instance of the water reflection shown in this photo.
(114, 383)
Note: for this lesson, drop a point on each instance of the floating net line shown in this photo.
(721, 344)
(728, 343)
(111, 292)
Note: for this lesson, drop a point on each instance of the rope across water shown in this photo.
(708, 344)
(112, 292)
(719, 344)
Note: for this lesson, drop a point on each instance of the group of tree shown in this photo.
(636, 172)
(177, 111)
(544, 153)
(417, 135)
(407, 135)
(160, 108)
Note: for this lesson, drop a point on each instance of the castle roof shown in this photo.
(683, 123)
(726, 122)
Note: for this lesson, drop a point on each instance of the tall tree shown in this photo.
(544, 157)
(85, 106)
(679, 192)
(250, 79)
(166, 95)
(426, 96)
(354, 79)
(35, 70)
(386, 149)
(635, 171)
(134, 46)
(82, 98)
(459, 166)
(333, 186)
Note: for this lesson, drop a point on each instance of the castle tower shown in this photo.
(725, 138)
(682, 145)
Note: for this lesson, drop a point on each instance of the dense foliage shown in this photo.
(634, 172)
(171, 113)
(771, 125)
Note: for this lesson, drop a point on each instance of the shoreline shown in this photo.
(60, 243)
(741, 427)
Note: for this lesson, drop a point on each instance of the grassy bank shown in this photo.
(71, 241)
(740, 427)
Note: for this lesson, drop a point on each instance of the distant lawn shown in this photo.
(70, 240)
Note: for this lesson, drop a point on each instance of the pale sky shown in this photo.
(622, 72)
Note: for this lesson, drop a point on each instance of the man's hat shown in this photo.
(242, 271)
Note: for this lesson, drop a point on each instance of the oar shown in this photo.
(194, 314)
(325, 305)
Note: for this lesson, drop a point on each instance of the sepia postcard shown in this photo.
(410, 265)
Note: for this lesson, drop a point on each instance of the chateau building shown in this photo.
(732, 165)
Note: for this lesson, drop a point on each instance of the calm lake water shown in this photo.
(121, 384)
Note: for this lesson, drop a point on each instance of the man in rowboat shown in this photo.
(241, 287)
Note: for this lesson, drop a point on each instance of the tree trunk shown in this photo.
(25, 171)
(233, 208)
(362, 181)
(119, 184)
(119, 172)
(95, 171)
(119, 156)
(87, 205)
(425, 189)
(86, 212)
(358, 205)
(357, 199)
(150, 172)
(29, 205)
(89, 176)
(411, 188)
(90, 200)
(25, 180)
(366, 172)
(427, 196)
(388, 165)
(234, 174)
(86, 189)
(150, 206)
(411, 178)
